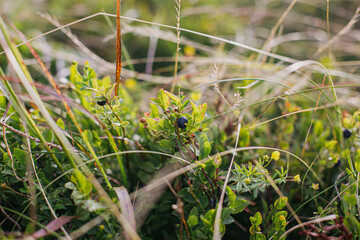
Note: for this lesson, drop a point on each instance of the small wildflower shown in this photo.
(101, 227)
(247, 180)
(217, 160)
(275, 155)
(130, 83)
(266, 158)
(195, 96)
(297, 178)
(189, 51)
(315, 186)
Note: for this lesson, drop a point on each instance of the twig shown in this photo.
(28, 136)
(3, 119)
(8, 217)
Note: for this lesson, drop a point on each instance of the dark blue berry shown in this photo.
(101, 103)
(346, 133)
(337, 164)
(182, 122)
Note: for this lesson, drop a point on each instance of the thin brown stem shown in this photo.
(8, 217)
(118, 47)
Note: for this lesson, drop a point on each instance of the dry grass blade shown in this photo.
(148, 195)
(53, 226)
(267, 45)
(345, 30)
(217, 234)
(302, 225)
(313, 118)
(86, 227)
(126, 206)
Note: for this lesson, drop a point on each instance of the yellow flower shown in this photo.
(189, 51)
(130, 83)
(315, 186)
(275, 155)
(297, 178)
(195, 96)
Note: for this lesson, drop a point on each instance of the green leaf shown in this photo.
(20, 155)
(2, 102)
(48, 135)
(209, 217)
(318, 128)
(280, 203)
(125, 123)
(89, 73)
(70, 185)
(74, 73)
(96, 139)
(81, 182)
(6, 159)
(152, 124)
(88, 135)
(125, 96)
(195, 111)
(244, 137)
(280, 223)
(163, 99)
(283, 213)
(231, 195)
(239, 205)
(105, 82)
(352, 223)
(167, 145)
(205, 147)
(193, 217)
(225, 213)
(60, 123)
(176, 100)
(201, 114)
(186, 195)
(154, 111)
(20, 160)
(185, 104)
(200, 235)
(156, 100)
(256, 219)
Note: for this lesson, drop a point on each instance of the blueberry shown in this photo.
(346, 133)
(337, 164)
(101, 103)
(182, 122)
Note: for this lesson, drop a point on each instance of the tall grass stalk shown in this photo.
(178, 16)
